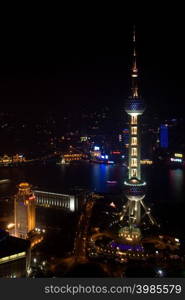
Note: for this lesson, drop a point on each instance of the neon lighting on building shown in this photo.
(134, 141)
(164, 136)
(12, 257)
(134, 130)
(178, 155)
(176, 160)
(134, 119)
(134, 151)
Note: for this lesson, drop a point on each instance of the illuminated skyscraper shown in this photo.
(24, 210)
(164, 136)
(134, 185)
(126, 137)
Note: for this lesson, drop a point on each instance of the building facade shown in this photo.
(14, 256)
(24, 210)
(56, 200)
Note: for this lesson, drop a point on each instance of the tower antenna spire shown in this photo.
(134, 69)
(134, 33)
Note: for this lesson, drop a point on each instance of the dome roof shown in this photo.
(134, 105)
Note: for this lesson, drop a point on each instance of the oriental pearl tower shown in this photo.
(134, 210)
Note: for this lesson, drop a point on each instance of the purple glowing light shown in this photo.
(125, 247)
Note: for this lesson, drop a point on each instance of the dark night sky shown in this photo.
(69, 81)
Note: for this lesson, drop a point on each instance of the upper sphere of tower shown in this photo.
(135, 105)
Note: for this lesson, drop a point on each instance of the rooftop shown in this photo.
(11, 245)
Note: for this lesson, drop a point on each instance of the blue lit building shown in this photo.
(126, 137)
(164, 136)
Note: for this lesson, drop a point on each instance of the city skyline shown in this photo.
(94, 182)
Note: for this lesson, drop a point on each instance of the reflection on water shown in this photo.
(165, 187)
(61, 178)
(176, 180)
(102, 173)
(163, 184)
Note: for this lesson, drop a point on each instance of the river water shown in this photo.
(165, 193)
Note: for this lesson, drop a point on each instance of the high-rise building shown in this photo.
(164, 136)
(126, 137)
(24, 210)
(14, 256)
(134, 185)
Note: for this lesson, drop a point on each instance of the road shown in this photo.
(80, 245)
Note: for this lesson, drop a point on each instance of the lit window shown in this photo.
(133, 151)
(134, 162)
(134, 141)
(134, 119)
(134, 130)
(133, 172)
